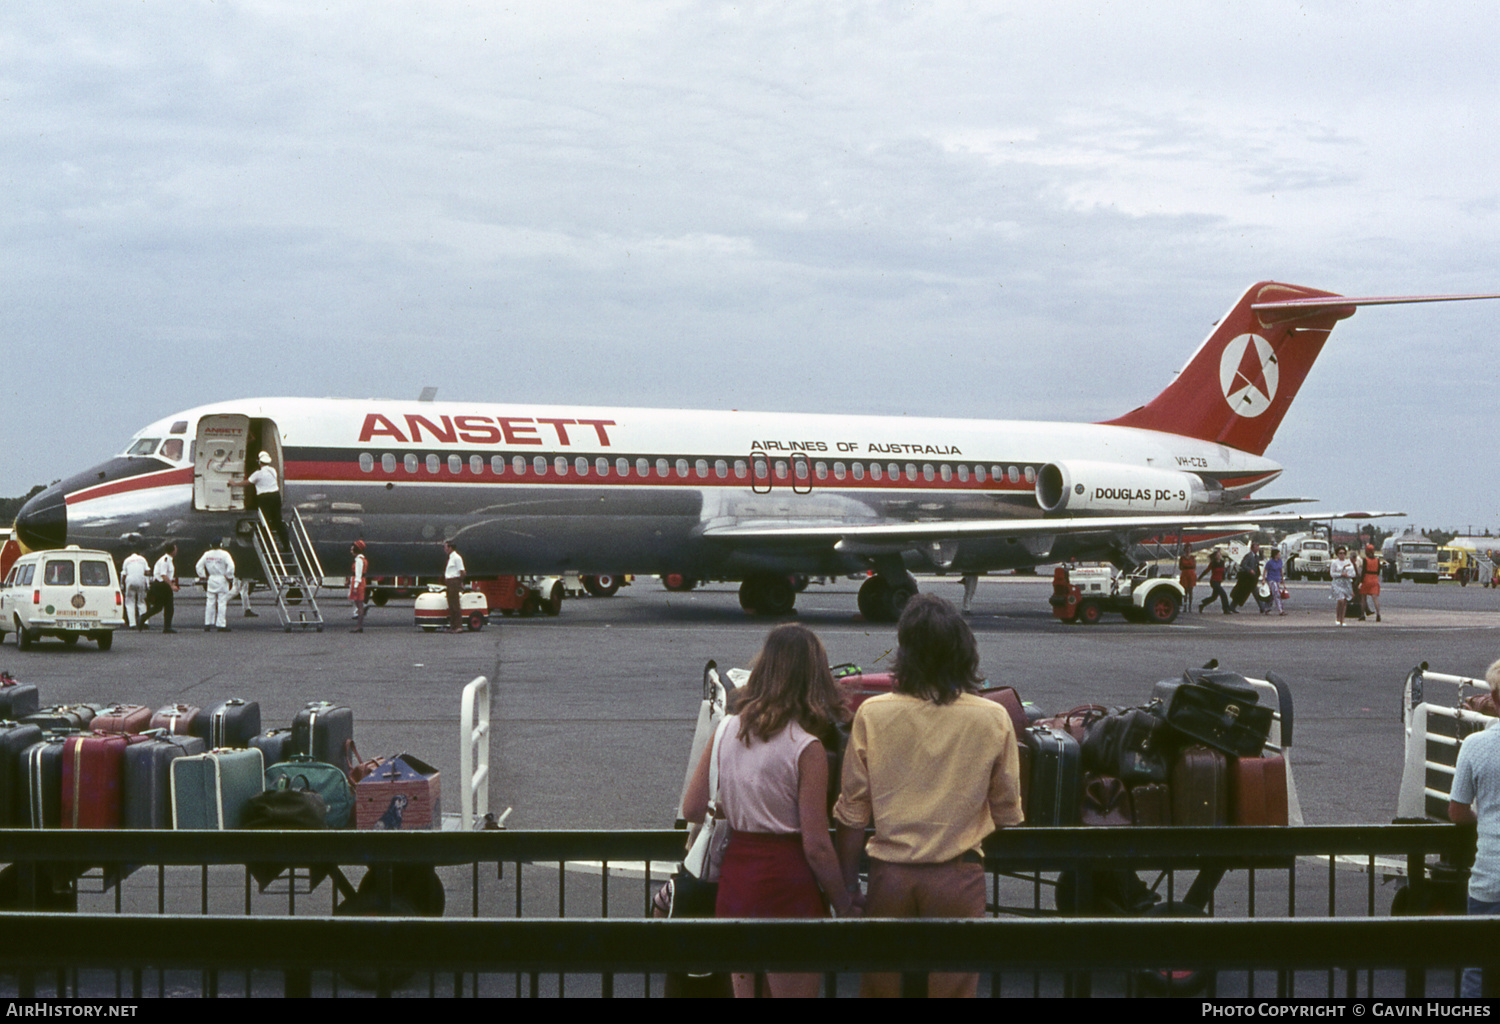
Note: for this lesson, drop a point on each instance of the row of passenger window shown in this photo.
(701, 469)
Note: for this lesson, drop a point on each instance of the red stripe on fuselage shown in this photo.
(143, 482)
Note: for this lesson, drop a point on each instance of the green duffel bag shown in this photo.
(329, 783)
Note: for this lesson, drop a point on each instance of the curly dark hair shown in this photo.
(937, 658)
(790, 682)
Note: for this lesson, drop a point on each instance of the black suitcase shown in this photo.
(325, 732)
(15, 737)
(275, 744)
(63, 717)
(1056, 790)
(148, 777)
(17, 700)
(1218, 709)
(43, 764)
(233, 724)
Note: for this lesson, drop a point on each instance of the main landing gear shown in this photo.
(882, 599)
(769, 595)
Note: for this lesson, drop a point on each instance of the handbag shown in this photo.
(328, 782)
(1133, 745)
(1106, 801)
(705, 854)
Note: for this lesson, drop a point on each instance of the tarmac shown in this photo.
(593, 710)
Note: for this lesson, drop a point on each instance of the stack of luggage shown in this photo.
(1195, 754)
(92, 765)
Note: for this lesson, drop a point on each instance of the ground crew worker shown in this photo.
(135, 575)
(453, 578)
(216, 568)
(358, 577)
(159, 596)
(268, 496)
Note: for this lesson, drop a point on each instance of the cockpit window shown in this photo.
(145, 446)
(172, 449)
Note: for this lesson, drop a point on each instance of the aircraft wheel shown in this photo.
(294, 595)
(1090, 612)
(768, 595)
(604, 585)
(380, 597)
(896, 596)
(553, 604)
(677, 582)
(872, 599)
(425, 629)
(1162, 608)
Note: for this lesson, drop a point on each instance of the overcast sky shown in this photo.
(988, 209)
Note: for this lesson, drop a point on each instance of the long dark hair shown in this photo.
(789, 682)
(937, 659)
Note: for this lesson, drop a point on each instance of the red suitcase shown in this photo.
(122, 718)
(93, 781)
(181, 720)
(1200, 787)
(1258, 791)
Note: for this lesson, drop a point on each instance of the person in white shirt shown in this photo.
(135, 575)
(358, 577)
(1475, 800)
(1341, 571)
(216, 567)
(453, 578)
(159, 596)
(268, 495)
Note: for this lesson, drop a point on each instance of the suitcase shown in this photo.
(1257, 790)
(1200, 787)
(404, 793)
(233, 724)
(859, 687)
(122, 718)
(210, 791)
(181, 720)
(1218, 709)
(1056, 777)
(43, 766)
(275, 745)
(325, 732)
(328, 781)
(63, 717)
(17, 700)
(1132, 745)
(1151, 804)
(93, 780)
(148, 777)
(15, 737)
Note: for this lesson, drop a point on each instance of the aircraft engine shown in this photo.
(1110, 487)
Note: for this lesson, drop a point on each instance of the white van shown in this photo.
(67, 594)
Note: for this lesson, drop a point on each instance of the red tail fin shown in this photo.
(1238, 385)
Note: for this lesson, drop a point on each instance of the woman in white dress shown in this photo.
(1341, 569)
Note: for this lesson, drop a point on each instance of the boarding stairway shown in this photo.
(293, 573)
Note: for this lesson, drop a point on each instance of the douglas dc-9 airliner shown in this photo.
(754, 497)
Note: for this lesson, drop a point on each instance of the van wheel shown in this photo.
(24, 638)
(70, 639)
(106, 641)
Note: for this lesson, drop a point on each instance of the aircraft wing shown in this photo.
(889, 536)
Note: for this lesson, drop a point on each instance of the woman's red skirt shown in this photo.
(767, 876)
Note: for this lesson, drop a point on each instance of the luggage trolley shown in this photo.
(1437, 712)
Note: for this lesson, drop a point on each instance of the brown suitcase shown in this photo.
(122, 718)
(180, 720)
(1151, 803)
(1258, 791)
(1200, 787)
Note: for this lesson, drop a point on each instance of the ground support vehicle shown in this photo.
(525, 596)
(430, 610)
(69, 594)
(1409, 557)
(1305, 556)
(1084, 595)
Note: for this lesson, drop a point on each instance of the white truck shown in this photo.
(1305, 556)
(1409, 557)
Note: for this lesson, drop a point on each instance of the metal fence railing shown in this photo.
(1269, 912)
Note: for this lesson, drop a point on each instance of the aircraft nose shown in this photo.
(43, 521)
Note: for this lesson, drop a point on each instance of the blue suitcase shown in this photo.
(1056, 791)
(210, 791)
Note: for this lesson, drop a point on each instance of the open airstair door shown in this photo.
(225, 454)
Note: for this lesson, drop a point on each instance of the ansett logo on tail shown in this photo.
(1248, 375)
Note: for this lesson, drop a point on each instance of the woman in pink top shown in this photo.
(773, 790)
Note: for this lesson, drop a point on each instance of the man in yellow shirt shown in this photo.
(935, 766)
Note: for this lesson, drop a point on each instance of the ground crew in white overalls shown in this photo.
(216, 567)
(135, 574)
